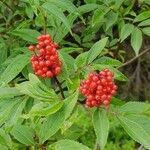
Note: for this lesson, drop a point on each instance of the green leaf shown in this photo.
(29, 11)
(144, 23)
(108, 61)
(53, 123)
(90, 1)
(23, 134)
(136, 40)
(53, 9)
(41, 110)
(69, 145)
(117, 102)
(62, 30)
(136, 130)
(144, 121)
(6, 107)
(9, 92)
(146, 31)
(68, 64)
(65, 4)
(5, 139)
(87, 8)
(26, 34)
(96, 50)
(75, 83)
(36, 89)
(14, 68)
(142, 16)
(118, 3)
(69, 50)
(101, 127)
(126, 30)
(98, 16)
(4, 52)
(111, 19)
(16, 111)
(146, 2)
(139, 108)
(81, 59)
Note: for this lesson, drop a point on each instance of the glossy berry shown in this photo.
(31, 47)
(45, 62)
(98, 88)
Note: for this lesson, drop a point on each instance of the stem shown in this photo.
(35, 53)
(60, 88)
(45, 23)
(133, 59)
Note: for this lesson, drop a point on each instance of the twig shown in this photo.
(60, 88)
(133, 59)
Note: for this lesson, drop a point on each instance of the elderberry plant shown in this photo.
(62, 64)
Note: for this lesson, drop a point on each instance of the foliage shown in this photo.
(90, 35)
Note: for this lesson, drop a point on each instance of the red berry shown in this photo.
(49, 74)
(52, 58)
(36, 63)
(113, 92)
(47, 36)
(106, 70)
(90, 97)
(41, 63)
(53, 51)
(48, 47)
(97, 97)
(43, 75)
(41, 44)
(45, 69)
(48, 63)
(47, 42)
(106, 102)
(57, 70)
(95, 78)
(109, 78)
(42, 51)
(93, 85)
(115, 87)
(33, 58)
(31, 47)
(110, 74)
(103, 81)
(93, 102)
(98, 88)
(39, 72)
(103, 97)
(38, 46)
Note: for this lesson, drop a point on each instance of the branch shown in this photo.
(133, 59)
(60, 88)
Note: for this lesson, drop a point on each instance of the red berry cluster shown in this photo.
(45, 61)
(98, 88)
